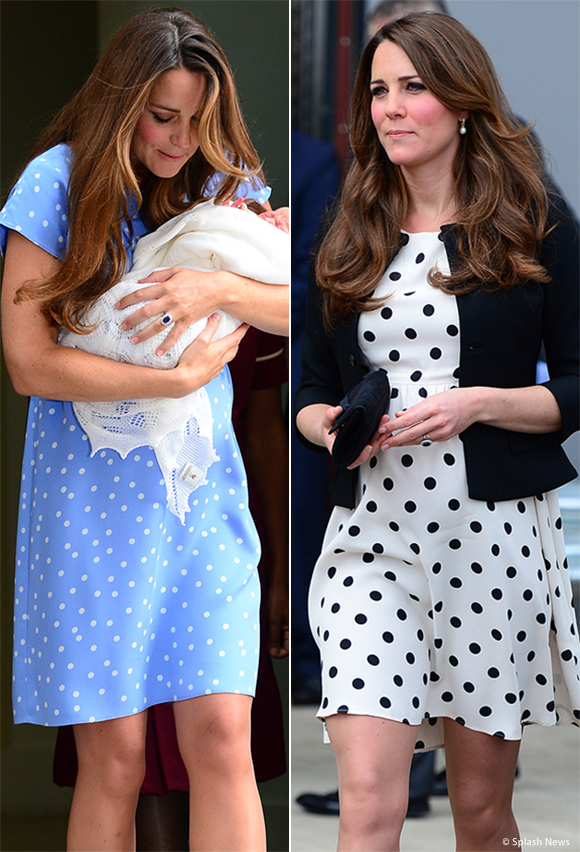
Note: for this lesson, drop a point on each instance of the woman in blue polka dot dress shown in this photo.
(441, 602)
(118, 605)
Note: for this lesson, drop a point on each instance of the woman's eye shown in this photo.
(416, 87)
(378, 91)
(159, 119)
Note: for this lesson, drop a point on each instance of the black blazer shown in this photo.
(501, 336)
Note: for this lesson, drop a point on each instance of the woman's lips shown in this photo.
(170, 157)
(399, 134)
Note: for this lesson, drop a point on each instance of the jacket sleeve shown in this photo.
(320, 380)
(561, 321)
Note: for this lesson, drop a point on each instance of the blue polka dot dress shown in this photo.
(425, 603)
(118, 606)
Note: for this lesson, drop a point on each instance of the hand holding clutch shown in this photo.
(362, 408)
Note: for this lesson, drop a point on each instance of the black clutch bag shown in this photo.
(362, 408)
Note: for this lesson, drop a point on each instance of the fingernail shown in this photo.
(160, 352)
(135, 340)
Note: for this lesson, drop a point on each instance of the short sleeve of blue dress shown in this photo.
(119, 606)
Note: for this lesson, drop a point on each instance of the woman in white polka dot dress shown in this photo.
(119, 606)
(441, 601)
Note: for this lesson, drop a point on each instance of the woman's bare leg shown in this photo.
(373, 758)
(480, 779)
(213, 732)
(111, 757)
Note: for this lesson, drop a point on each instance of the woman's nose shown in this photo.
(181, 136)
(394, 107)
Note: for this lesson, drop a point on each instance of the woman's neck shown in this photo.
(432, 201)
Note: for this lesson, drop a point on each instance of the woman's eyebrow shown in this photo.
(399, 79)
(160, 106)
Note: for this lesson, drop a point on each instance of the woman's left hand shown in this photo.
(186, 295)
(438, 418)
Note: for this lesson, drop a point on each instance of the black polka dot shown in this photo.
(371, 506)
(566, 655)
(468, 686)
(493, 672)
(398, 680)
(423, 392)
(415, 547)
(428, 310)
(436, 567)
(368, 557)
(373, 660)
(369, 336)
(393, 525)
(358, 683)
(495, 549)
(541, 619)
(541, 679)
(388, 484)
(454, 544)
(521, 636)
(475, 527)
(435, 353)
(497, 594)
(438, 606)
(510, 698)
(456, 582)
(476, 568)
(361, 618)
(401, 615)
(384, 702)
(447, 696)
(354, 530)
(525, 551)
(508, 528)
(496, 634)
(474, 648)
(410, 333)
(430, 483)
(395, 276)
(485, 711)
(432, 527)
(348, 581)
(375, 596)
(454, 621)
(449, 459)
(410, 507)
(342, 709)
(511, 572)
(333, 671)
(420, 258)
(325, 635)
(438, 642)
(390, 575)
(452, 330)
(388, 637)
(325, 704)
(453, 661)
(386, 313)
(415, 376)
(476, 607)
(394, 355)
(331, 572)
(378, 548)
(454, 505)
(410, 658)
(531, 656)
(558, 523)
(407, 460)
(335, 607)
(345, 644)
(527, 594)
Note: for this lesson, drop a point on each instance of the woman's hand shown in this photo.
(205, 358)
(438, 418)
(280, 218)
(184, 294)
(367, 452)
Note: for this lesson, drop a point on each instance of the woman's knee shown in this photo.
(367, 801)
(112, 762)
(216, 733)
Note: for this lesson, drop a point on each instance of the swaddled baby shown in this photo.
(207, 238)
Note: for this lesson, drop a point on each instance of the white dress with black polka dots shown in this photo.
(425, 603)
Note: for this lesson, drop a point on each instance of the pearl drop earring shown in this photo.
(462, 127)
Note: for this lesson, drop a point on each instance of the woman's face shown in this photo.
(166, 136)
(414, 128)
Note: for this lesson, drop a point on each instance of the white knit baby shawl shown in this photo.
(208, 237)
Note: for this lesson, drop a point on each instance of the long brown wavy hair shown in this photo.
(99, 122)
(500, 196)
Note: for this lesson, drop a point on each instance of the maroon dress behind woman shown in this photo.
(259, 364)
